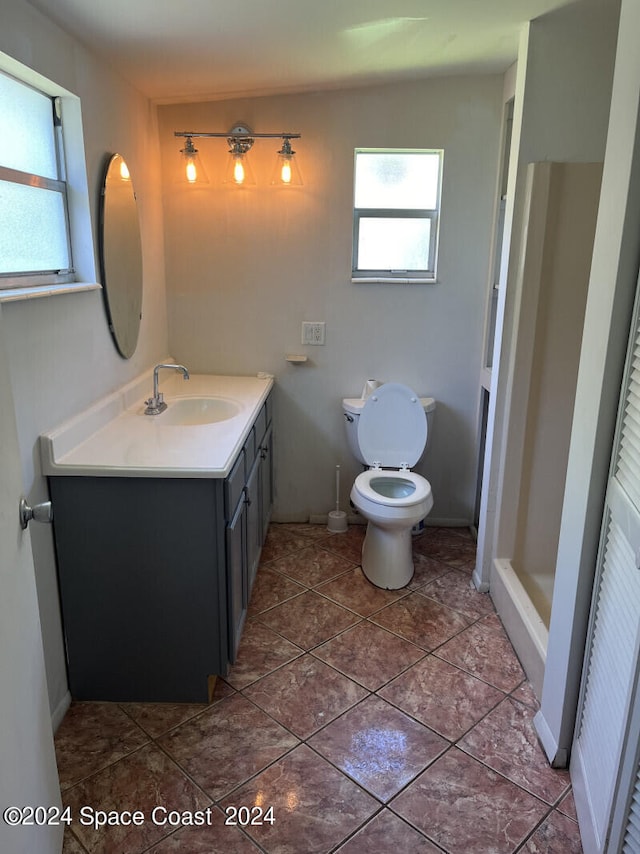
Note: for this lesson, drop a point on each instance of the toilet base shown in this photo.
(387, 559)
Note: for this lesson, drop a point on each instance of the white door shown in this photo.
(28, 774)
(604, 743)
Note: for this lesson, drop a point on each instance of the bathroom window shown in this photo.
(35, 248)
(396, 215)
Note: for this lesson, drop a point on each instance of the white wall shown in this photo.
(61, 356)
(246, 267)
(565, 94)
(612, 287)
(561, 111)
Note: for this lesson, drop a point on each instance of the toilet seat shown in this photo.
(392, 428)
(417, 487)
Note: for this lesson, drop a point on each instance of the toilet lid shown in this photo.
(392, 428)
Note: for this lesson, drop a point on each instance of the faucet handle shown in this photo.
(155, 405)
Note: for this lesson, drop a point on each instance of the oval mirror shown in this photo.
(121, 256)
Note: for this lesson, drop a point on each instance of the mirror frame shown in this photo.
(120, 255)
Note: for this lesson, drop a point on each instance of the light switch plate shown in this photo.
(313, 332)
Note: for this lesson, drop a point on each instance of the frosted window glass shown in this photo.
(33, 233)
(387, 243)
(26, 129)
(397, 180)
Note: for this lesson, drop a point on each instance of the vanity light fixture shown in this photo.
(238, 170)
(241, 139)
(286, 171)
(193, 172)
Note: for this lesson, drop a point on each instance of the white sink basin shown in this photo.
(191, 411)
(199, 434)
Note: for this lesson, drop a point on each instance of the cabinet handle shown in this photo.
(247, 500)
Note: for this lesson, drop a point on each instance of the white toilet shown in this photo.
(388, 431)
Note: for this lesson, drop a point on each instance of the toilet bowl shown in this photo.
(388, 431)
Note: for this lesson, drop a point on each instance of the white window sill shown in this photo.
(392, 280)
(35, 291)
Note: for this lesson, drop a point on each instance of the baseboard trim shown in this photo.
(60, 711)
(527, 632)
(558, 757)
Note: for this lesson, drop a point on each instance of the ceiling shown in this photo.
(213, 49)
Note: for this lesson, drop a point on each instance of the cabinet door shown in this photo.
(237, 590)
(254, 527)
(266, 482)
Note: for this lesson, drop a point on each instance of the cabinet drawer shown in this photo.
(234, 485)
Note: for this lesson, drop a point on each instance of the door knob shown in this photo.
(39, 512)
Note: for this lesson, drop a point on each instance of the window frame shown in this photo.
(26, 278)
(429, 275)
(72, 169)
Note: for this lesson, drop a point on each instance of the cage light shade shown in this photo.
(191, 169)
(286, 172)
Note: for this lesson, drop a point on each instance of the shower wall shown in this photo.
(553, 276)
(557, 267)
(561, 112)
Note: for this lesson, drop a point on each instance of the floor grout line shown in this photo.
(449, 743)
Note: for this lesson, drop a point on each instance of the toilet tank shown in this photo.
(352, 407)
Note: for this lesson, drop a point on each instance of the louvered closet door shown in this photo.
(607, 701)
(631, 833)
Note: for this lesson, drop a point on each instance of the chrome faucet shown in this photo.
(156, 404)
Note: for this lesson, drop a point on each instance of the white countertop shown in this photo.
(113, 438)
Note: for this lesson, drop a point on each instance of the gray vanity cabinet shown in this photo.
(266, 485)
(248, 511)
(155, 575)
(237, 587)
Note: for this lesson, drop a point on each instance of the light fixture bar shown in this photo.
(240, 139)
(243, 133)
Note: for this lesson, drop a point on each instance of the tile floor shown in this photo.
(371, 721)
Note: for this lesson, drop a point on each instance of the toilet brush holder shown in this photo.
(337, 521)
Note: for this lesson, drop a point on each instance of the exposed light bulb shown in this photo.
(238, 170)
(124, 171)
(191, 171)
(285, 172)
